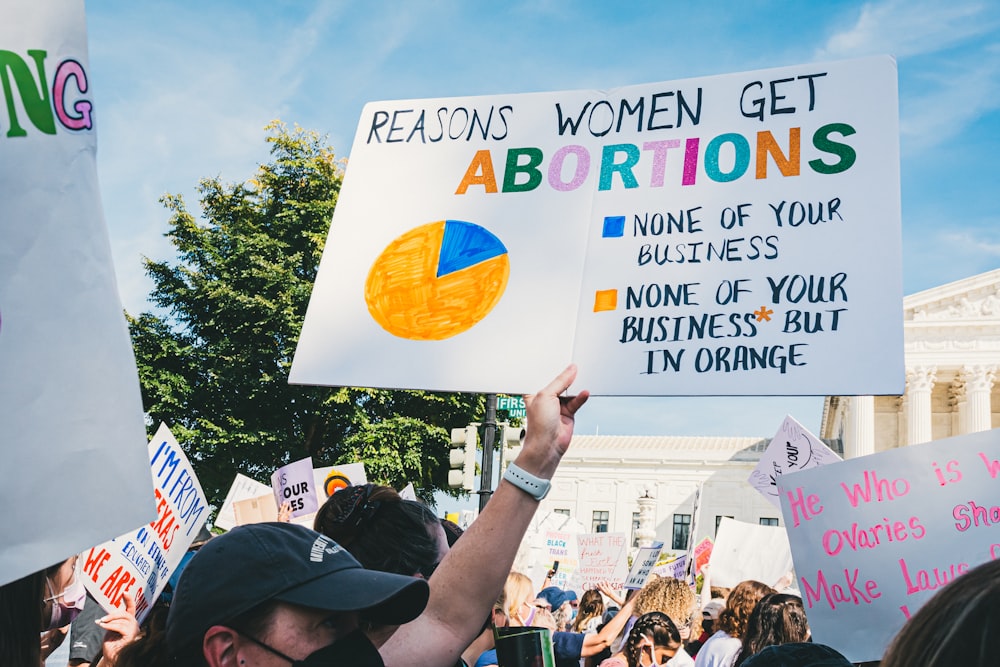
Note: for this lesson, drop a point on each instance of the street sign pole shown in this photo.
(489, 437)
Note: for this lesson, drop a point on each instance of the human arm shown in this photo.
(596, 642)
(605, 588)
(469, 579)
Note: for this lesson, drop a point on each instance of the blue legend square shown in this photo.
(614, 226)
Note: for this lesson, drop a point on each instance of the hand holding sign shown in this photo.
(293, 484)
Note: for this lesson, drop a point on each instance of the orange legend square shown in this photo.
(605, 299)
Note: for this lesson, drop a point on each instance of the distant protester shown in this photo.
(652, 641)
(674, 598)
(590, 611)
(777, 619)
(722, 647)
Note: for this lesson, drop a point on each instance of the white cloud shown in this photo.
(942, 99)
(908, 28)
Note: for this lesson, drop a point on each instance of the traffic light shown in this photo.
(513, 439)
(462, 458)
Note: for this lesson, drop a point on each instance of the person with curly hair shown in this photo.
(777, 619)
(721, 648)
(674, 598)
(653, 641)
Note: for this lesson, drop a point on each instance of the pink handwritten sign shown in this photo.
(873, 538)
(603, 557)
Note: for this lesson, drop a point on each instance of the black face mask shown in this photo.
(353, 650)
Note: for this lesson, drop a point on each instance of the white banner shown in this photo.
(706, 236)
(749, 551)
(72, 438)
(141, 561)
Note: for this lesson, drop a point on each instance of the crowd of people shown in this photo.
(380, 580)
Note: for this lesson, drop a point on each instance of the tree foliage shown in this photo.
(214, 361)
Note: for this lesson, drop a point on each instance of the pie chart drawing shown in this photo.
(437, 280)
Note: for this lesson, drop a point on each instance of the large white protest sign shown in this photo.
(293, 484)
(70, 408)
(603, 557)
(140, 562)
(749, 551)
(705, 236)
(793, 448)
(874, 537)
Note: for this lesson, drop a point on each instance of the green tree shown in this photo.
(214, 361)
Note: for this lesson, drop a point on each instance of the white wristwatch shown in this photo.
(536, 487)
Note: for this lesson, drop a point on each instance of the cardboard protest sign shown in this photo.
(70, 407)
(749, 551)
(642, 565)
(874, 537)
(255, 510)
(702, 554)
(293, 483)
(243, 488)
(140, 562)
(705, 236)
(792, 448)
(603, 557)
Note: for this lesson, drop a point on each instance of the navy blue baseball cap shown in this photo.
(260, 562)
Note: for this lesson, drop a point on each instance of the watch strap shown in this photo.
(536, 487)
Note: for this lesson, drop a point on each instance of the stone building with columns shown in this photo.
(952, 352)
(657, 487)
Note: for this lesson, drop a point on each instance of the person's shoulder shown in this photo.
(681, 659)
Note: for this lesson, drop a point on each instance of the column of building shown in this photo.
(919, 383)
(859, 436)
(978, 382)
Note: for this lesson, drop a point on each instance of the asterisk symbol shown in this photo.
(764, 314)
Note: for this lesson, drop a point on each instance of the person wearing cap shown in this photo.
(561, 603)
(280, 594)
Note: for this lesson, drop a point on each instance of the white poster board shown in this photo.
(707, 236)
(602, 557)
(793, 448)
(874, 537)
(293, 483)
(243, 488)
(749, 551)
(70, 408)
(141, 561)
(642, 565)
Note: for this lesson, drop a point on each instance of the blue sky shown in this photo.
(183, 90)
